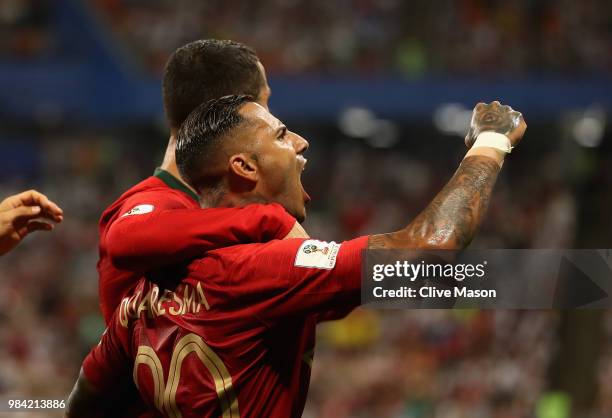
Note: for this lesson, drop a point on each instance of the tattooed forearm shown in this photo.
(452, 218)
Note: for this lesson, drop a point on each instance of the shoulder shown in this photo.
(150, 192)
(155, 188)
(148, 184)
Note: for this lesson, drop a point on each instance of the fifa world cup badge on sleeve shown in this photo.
(139, 210)
(317, 254)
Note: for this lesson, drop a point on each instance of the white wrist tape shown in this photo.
(493, 140)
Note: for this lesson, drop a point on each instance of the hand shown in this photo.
(24, 213)
(496, 117)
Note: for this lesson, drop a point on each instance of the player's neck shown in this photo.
(219, 197)
(169, 162)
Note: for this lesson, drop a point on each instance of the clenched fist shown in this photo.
(495, 117)
(24, 213)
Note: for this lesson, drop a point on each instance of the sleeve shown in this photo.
(107, 363)
(298, 277)
(154, 231)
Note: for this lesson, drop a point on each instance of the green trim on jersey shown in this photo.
(174, 183)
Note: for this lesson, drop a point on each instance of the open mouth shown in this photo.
(305, 195)
(302, 162)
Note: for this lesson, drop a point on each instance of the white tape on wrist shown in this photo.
(493, 140)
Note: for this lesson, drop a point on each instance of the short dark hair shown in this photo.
(208, 69)
(203, 131)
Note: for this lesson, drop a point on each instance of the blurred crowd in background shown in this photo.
(25, 30)
(358, 36)
(396, 364)
(377, 36)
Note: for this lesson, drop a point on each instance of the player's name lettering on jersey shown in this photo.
(186, 300)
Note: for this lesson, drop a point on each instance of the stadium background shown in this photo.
(383, 91)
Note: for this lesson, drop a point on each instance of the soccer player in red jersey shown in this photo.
(159, 222)
(232, 340)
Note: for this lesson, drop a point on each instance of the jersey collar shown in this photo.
(174, 183)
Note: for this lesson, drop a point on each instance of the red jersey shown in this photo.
(236, 337)
(159, 223)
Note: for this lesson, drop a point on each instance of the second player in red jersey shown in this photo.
(159, 222)
(139, 232)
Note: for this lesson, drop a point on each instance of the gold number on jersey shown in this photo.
(164, 395)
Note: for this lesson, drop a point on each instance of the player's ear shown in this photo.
(244, 166)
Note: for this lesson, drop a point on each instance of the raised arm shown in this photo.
(452, 218)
